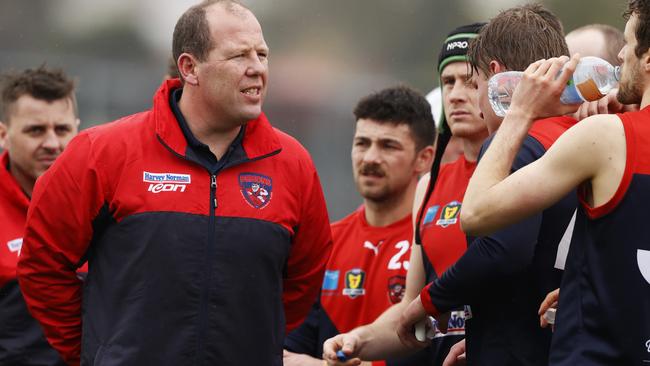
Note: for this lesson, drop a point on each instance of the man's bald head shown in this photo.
(598, 40)
(192, 31)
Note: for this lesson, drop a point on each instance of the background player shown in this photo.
(505, 276)
(38, 119)
(442, 241)
(601, 318)
(366, 273)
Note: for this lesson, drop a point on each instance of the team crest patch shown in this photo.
(354, 280)
(430, 215)
(396, 288)
(449, 214)
(256, 189)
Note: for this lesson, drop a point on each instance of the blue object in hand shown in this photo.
(341, 356)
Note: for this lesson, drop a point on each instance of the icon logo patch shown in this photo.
(396, 288)
(449, 214)
(256, 189)
(354, 280)
(166, 182)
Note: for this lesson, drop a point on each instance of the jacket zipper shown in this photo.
(210, 253)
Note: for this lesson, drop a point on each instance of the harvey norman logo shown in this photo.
(166, 182)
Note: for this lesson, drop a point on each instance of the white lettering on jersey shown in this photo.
(565, 243)
(166, 182)
(643, 260)
(166, 178)
(647, 345)
(159, 187)
(15, 245)
(455, 326)
(395, 262)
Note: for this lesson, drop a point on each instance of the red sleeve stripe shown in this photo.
(425, 298)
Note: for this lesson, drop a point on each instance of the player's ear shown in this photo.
(424, 160)
(496, 67)
(187, 68)
(3, 134)
(645, 61)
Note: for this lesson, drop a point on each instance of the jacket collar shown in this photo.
(260, 139)
(10, 188)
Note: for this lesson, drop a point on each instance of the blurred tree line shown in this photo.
(325, 55)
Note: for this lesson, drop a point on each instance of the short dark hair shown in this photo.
(641, 8)
(400, 105)
(41, 83)
(192, 32)
(614, 39)
(517, 37)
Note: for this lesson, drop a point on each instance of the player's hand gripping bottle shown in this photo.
(592, 80)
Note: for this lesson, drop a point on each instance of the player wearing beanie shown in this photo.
(442, 239)
(505, 276)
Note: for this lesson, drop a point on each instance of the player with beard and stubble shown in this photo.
(438, 240)
(366, 273)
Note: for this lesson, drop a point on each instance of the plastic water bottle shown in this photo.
(592, 80)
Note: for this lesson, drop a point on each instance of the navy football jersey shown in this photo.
(443, 242)
(604, 307)
(505, 276)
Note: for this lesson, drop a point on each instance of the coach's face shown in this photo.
(233, 77)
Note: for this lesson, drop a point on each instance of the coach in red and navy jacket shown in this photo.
(205, 229)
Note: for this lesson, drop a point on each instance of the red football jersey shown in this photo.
(366, 273)
(443, 240)
(13, 211)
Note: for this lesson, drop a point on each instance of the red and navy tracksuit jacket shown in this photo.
(603, 314)
(505, 276)
(443, 242)
(21, 337)
(365, 275)
(190, 263)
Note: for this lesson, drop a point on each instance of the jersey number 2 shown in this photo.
(395, 262)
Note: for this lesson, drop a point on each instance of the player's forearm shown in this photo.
(297, 359)
(483, 192)
(490, 259)
(379, 339)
